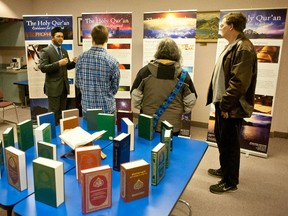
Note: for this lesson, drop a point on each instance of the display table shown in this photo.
(9, 195)
(24, 84)
(185, 157)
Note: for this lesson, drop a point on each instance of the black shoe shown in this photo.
(222, 187)
(216, 172)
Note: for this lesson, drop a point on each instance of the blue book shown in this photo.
(121, 150)
(48, 118)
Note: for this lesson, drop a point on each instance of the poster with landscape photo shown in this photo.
(207, 26)
(265, 28)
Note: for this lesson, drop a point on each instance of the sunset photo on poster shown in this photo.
(170, 24)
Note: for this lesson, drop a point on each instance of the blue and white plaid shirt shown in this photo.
(97, 77)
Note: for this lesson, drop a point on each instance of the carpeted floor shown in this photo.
(262, 189)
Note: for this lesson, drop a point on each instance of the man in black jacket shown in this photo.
(232, 90)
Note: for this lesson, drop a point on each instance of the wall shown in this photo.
(13, 9)
(205, 55)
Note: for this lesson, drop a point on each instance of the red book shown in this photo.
(96, 188)
(123, 114)
(134, 180)
(87, 157)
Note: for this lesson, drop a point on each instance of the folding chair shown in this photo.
(4, 104)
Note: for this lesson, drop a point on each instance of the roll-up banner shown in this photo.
(265, 28)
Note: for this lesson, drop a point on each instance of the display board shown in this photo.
(265, 28)
(119, 43)
(37, 36)
(181, 26)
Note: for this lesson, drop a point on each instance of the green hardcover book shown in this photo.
(145, 126)
(167, 142)
(166, 125)
(158, 155)
(1, 159)
(8, 137)
(43, 133)
(48, 181)
(25, 135)
(106, 122)
(46, 150)
(91, 116)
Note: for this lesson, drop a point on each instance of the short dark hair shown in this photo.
(238, 20)
(99, 34)
(55, 30)
(168, 49)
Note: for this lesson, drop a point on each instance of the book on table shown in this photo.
(145, 126)
(70, 112)
(121, 150)
(25, 134)
(167, 141)
(106, 122)
(127, 126)
(48, 181)
(96, 188)
(91, 116)
(87, 157)
(68, 123)
(1, 159)
(16, 168)
(8, 137)
(134, 180)
(46, 150)
(158, 156)
(123, 114)
(79, 137)
(42, 133)
(48, 118)
(165, 125)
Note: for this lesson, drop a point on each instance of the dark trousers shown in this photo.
(227, 133)
(57, 104)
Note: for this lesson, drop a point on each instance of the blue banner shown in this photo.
(39, 27)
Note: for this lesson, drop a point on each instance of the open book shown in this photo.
(78, 137)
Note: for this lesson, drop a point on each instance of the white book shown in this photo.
(127, 126)
(78, 137)
(42, 133)
(16, 168)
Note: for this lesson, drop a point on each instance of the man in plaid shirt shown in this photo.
(97, 74)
